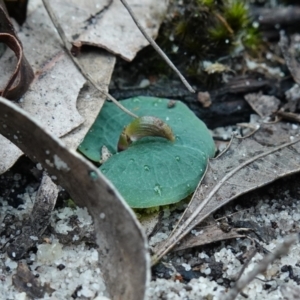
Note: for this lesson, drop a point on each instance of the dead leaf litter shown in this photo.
(65, 109)
(194, 274)
(211, 270)
(65, 262)
(93, 192)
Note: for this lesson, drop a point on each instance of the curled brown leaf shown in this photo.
(22, 76)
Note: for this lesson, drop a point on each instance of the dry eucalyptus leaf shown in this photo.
(263, 105)
(16, 82)
(100, 65)
(108, 25)
(209, 234)
(245, 166)
(123, 249)
(53, 94)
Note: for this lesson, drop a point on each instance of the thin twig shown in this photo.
(289, 116)
(77, 63)
(281, 249)
(156, 47)
(246, 263)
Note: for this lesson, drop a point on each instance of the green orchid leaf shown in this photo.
(152, 171)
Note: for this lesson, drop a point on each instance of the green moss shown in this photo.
(143, 212)
(181, 29)
(252, 39)
(70, 203)
(208, 3)
(237, 16)
(212, 4)
(207, 29)
(199, 30)
(219, 34)
(140, 212)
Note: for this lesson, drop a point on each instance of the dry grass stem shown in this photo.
(281, 249)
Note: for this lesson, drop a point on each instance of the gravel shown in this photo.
(71, 270)
(70, 265)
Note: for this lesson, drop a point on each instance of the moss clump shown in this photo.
(70, 203)
(236, 15)
(199, 30)
(252, 39)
